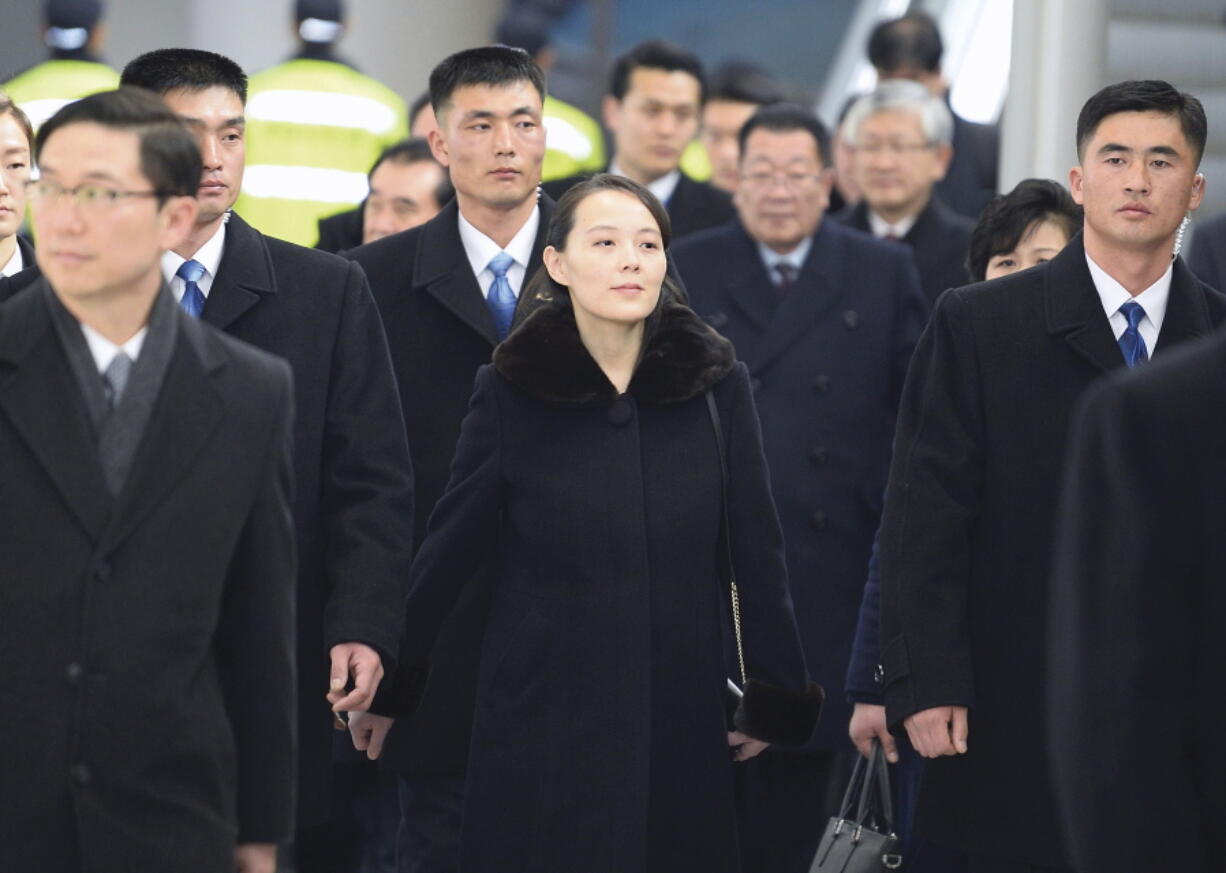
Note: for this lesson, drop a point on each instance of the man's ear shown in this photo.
(610, 111)
(438, 146)
(1198, 192)
(178, 217)
(1075, 179)
(945, 154)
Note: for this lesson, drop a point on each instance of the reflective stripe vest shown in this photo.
(695, 162)
(574, 142)
(314, 128)
(42, 90)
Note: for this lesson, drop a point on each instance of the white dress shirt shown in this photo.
(15, 265)
(662, 187)
(1153, 300)
(208, 256)
(882, 228)
(481, 250)
(796, 257)
(104, 351)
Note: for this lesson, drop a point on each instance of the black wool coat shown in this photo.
(694, 206)
(1207, 258)
(972, 177)
(1137, 649)
(149, 636)
(966, 539)
(827, 363)
(341, 232)
(599, 737)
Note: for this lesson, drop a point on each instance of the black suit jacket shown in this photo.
(341, 232)
(971, 180)
(353, 504)
(694, 205)
(966, 537)
(827, 365)
(149, 636)
(1207, 259)
(27, 276)
(1137, 652)
(940, 239)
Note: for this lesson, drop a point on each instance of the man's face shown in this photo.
(14, 173)
(721, 122)
(491, 140)
(654, 122)
(1136, 181)
(895, 166)
(105, 248)
(783, 191)
(401, 196)
(215, 115)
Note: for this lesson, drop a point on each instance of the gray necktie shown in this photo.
(115, 378)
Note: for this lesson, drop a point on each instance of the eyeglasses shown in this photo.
(896, 149)
(792, 181)
(90, 197)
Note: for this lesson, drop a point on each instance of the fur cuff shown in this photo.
(778, 716)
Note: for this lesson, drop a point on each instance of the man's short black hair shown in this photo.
(416, 150)
(912, 42)
(1148, 95)
(496, 65)
(1007, 217)
(740, 82)
(784, 118)
(169, 156)
(170, 69)
(656, 55)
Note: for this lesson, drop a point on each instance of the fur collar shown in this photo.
(544, 357)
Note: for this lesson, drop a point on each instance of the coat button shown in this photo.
(821, 384)
(851, 318)
(74, 673)
(818, 520)
(621, 412)
(102, 571)
(80, 774)
(819, 454)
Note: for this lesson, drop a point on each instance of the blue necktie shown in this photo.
(1132, 344)
(192, 300)
(501, 298)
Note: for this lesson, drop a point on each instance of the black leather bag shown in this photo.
(864, 842)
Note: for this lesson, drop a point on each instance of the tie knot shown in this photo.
(115, 377)
(1134, 312)
(190, 271)
(500, 263)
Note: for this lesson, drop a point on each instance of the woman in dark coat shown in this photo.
(588, 465)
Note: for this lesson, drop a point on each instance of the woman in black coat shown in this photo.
(588, 465)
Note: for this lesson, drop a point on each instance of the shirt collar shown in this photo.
(663, 187)
(882, 228)
(1114, 295)
(481, 249)
(796, 257)
(15, 264)
(104, 351)
(208, 255)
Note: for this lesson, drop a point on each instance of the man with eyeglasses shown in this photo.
(901, 137)
(825, 318)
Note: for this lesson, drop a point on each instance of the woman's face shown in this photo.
(14, 173)
(1041, 242)
(614, 259)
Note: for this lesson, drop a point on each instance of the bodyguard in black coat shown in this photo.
(341, 232)
(1137, 651)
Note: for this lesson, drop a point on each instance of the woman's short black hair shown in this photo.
(1007, 217)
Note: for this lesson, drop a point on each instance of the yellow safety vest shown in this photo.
(574, 142)
(313, 130)
(695, 162)
(43, 90)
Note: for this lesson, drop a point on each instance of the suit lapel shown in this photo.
(38, 396)
(1075, 310)
(748, 289)
(1187, 313)
(243, 277)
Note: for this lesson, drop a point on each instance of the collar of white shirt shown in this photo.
(796, 257)
(662, 187)
(104, 351)
(481, 250)
(1153, 300)
(208, 256)
(16, 263)
(882, 228)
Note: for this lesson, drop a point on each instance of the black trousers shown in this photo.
(432, 813)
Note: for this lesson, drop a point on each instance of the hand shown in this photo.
(369, 731)
(255, 858)
(744, 747)
(939, 731)
(364, 664)
(868, 721)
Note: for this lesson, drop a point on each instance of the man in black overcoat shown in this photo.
(1136, 646)
(353, 503)
(145, 528)
(966, 538)
(1207, 258)
(826, 319)
(900, 136)
(653, 109)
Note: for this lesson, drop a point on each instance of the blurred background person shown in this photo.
(845, 193)
(1207, 256)
(16, 163)
(314, 127)
(74, 32)
(910, 47)
(736, 90)
(407, 187)
(421, 117)
(653, 110)
(900, 140)
(1027, 226)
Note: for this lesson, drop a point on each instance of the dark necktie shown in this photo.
(787, 275)
(501, 298)
(1132, 344)
(192, 300)
(115, 378)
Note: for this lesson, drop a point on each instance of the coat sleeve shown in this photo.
(863, 683)
(367, 482)
(460, 538)
(780, 704)
(1126, 623)
(255, 646)
(932, 502)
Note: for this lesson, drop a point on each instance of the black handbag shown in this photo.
(866, 843)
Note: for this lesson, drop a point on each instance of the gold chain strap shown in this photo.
(736, 624)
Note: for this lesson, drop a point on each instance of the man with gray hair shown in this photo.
(901, 140)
